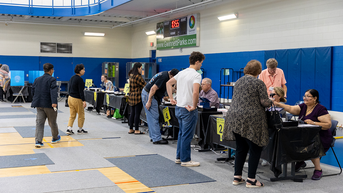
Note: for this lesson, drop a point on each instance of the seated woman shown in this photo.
(279, 96)
(311, 112)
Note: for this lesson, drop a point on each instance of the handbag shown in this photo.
(274, 120)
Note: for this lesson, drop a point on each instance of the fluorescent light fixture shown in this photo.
(227, 17)
(148, 33)
(94, 34)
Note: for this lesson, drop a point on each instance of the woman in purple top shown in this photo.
(311, 112)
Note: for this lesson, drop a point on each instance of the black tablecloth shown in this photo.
(98, 103)
(289, 144)
(201, 128)
(117, 102)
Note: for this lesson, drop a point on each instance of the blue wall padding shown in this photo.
(282, 57)
(213, 63)
(94, 68)
(323, 75)
(305, 69)
(308, 63)
(64, 66)
(25, 63)
(337, 78)
(294, 76)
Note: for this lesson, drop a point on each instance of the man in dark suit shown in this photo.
(44, 91)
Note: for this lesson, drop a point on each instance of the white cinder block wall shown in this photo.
(24, 40)
(262, 25)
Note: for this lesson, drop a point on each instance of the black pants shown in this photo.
(1, 94)
(135, 115)
(243, 146)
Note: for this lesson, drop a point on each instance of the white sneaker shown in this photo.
(177, 161)
(190, 164)
(246, 164)
(264, 163)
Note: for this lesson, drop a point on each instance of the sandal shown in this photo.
(131, 132)
(252, 184)
(237, 181)
(139, 133)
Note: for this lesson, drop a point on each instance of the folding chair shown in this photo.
(19, 94)
(333, 131)
(59, 98)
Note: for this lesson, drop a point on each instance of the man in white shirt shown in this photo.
(188, 83)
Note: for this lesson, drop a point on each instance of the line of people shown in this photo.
(245, 121)
(44, 92)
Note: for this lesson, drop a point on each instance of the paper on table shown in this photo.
(307, 125)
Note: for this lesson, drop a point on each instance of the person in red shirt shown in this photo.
(273, 77)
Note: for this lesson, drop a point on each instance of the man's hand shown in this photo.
(84, 104)
(173, 102)
(54, 105)
(148, 105)
(189, 108)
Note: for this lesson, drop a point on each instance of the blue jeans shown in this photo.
(152, 116)
(187, 123)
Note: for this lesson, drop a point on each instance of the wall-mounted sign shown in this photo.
(178, 33)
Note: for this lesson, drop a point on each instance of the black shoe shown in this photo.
(299, 165)
(70, 132)
(81, 131)
(161, 142)
(162, 139)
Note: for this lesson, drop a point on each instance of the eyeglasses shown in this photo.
(307, 96)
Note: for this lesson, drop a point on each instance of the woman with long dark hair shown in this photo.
(137, 84)
(312, 112)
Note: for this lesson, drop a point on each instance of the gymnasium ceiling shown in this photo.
(128, 14)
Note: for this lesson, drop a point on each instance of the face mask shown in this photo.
(199, 71)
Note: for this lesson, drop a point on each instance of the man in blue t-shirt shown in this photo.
(152, 95)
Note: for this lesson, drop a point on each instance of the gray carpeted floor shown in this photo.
(56, 182)
(74, 158)
(13, 161)
(29, 131)
(13, 109)
(155, 170)
(7, 130)
(18, 117)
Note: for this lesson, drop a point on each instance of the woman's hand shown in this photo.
(276, 103)
(309, 121)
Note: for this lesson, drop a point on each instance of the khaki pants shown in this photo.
(76, 107)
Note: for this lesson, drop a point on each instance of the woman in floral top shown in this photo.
(137, 84)
(246, 122)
